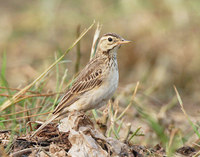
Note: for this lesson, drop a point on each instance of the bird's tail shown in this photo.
(45, 124)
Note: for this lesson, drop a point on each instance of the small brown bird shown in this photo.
(96, 83)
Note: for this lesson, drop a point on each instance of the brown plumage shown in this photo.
(90, 77)
(95, 84)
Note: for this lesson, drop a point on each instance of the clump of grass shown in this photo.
(193, 125)
(113, 121)
(15, 98)
(23, 105)
(19, 106)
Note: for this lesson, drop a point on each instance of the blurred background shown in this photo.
(165, 50)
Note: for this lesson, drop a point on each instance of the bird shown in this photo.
(95, 84)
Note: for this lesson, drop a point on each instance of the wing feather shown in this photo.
(90, 77)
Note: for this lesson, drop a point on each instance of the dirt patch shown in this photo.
(76, 136)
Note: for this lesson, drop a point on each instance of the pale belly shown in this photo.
(99, 96)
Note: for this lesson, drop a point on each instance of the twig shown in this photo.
(6, 115)
(25, 117)
(26, 151)
(32, 95)
(5, 131)
(45, 152)
(16, 89)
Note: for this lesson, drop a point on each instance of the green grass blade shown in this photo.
(3, 69)
(186, 115)
(8, 103)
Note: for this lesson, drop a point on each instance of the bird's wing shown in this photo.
(90, 77)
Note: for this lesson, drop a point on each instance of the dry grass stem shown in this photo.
(6, 115)
(15, 97)
(132, 99)
(19, 118)
(78, 50)
(95, 40)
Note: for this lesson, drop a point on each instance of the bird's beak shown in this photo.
(124, 41)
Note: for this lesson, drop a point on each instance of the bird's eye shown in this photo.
(110, 39)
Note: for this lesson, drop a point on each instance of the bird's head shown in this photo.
(111, 41)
